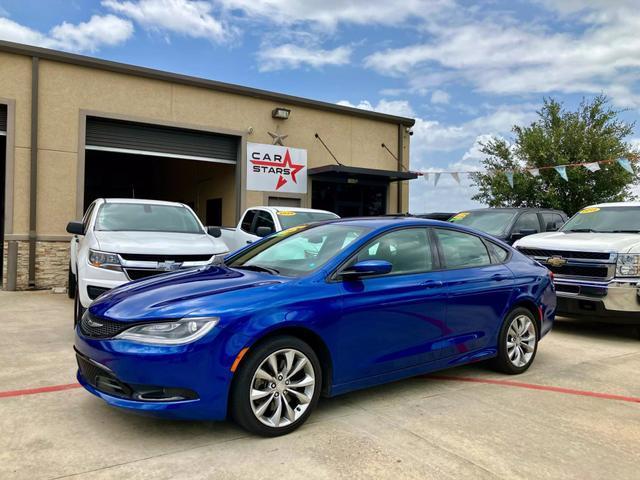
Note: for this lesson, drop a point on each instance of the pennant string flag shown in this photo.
(509, 175)
(562, 171)
(436, 177)
(624, 163)
(426, 176)
(456, 176)
(592, 167)
(534, 172)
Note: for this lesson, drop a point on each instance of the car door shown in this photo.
(244, 234)
(527, 223)
(478, 287)
(392, 321)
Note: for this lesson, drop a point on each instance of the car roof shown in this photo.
(293, 209)
(141, 201)
(514, 209)
(380, 222)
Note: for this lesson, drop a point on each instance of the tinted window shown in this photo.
(527, 221)
(87, 217)
(462, 250)
(264, 220)
(247, 220)
(552, 221)
(494, 222)
(408, 250)
(143, 217)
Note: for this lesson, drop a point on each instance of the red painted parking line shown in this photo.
(533, 386)
(33, 391)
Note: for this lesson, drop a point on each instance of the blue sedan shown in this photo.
(314, 310)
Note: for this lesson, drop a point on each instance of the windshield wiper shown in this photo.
(258, 268)
(621, 231)
(582, 230)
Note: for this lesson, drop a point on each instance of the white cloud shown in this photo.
(401, 108)
(293, 56)
(329, 13)
(184, 17)
(510, 57)
(440, 97)
(98, 31)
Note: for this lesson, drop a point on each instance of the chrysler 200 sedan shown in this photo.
(319, 309)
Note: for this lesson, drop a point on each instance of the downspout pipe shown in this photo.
(400, 165)
(33, 173)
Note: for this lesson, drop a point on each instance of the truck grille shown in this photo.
(535, 252)
(580, 271)
(165, 258)
(138, 273)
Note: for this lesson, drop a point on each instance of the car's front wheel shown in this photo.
(276, 387)
(518, 342)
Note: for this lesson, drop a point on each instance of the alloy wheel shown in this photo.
(282, 388)
(521, 340)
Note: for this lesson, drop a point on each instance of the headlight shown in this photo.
(628, 265)
(170, 333)
(110, 261)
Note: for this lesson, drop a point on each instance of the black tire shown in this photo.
(503, 362)
(78, 309)
(240, 403)
(71, 284)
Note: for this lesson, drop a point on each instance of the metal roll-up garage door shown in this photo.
(146, 139)
(3, 120)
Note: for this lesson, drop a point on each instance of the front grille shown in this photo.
(101, 378)
(580, 271)
(139, 273)
(535, 252)
(164, 258)
(94, 327)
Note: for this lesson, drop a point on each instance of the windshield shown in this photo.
(299, 250)
(605, 220)
(290, 219)
(494, 222)
(142, 217)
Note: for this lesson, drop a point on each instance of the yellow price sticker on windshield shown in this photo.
(459, 216)
(287, 213)
(589, 210)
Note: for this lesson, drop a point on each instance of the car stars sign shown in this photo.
(274, 168)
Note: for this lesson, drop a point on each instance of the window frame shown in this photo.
(255, 214)
(541, 229)
(335, 275)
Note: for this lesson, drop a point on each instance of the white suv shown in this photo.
(595, 258)
(120, 240)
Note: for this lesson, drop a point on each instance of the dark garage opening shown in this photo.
(207, 187)
(3, 169)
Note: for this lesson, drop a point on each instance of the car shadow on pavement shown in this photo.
(591, 329)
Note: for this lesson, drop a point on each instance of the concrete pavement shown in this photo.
(419, 428)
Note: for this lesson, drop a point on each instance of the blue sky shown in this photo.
(464, 70)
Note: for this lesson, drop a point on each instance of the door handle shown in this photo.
(498, 277)
(431, 284)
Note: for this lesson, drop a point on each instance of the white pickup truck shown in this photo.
(258, 222)
(595, 258)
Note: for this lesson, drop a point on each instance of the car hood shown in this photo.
(583, 242)
(159, 243)
(204, 291)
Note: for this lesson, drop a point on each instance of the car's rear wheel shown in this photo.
(71, 284)
(518, 342)
(276, 387)
(78, 309)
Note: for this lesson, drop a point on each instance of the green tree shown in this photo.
(558, 137)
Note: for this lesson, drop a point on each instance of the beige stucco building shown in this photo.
(74, 128)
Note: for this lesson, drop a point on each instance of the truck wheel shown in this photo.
(518, 342)
(71, 284)
(276, 387)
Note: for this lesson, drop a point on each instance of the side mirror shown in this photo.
(75, 228)
(264, 231)
(367, 268)
(215, 232)
(523, 233)
(552, 227)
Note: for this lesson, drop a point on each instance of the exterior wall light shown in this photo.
(281, 113)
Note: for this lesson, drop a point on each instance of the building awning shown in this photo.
(344, 174)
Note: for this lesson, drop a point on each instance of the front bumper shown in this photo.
(196, 374)
(615, 301)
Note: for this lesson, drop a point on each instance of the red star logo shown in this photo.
(294, 168)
